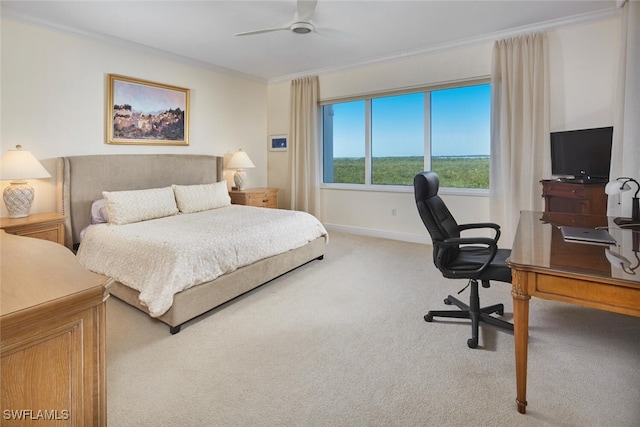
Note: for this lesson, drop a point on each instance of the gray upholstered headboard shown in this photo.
(81, 180)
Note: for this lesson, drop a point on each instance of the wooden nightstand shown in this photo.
(46, 226)
(261, 197)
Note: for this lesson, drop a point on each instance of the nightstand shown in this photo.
(261, 197)
(46, 226)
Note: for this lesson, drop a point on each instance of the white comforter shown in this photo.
(162, 257)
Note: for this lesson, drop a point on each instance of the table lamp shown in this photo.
(621, 262)
(618, 186)
(19, 165)
(240, 161)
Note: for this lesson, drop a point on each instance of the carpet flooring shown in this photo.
(342, 342)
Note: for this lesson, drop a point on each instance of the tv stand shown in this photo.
(586, 198)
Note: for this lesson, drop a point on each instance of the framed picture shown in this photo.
(143, 112)
(278, 143)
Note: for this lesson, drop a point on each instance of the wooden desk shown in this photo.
(546, 266)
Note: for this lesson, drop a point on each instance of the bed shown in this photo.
(81, 181)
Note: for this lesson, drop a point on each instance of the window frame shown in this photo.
(368, 97)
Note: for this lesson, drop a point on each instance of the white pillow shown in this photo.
(202, 197)
(124, 207)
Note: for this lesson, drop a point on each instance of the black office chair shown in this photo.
(473, 258)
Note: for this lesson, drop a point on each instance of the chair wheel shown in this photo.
(472, 343)
(428, 317)
(447, 302)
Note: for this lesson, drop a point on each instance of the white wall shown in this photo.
(278, 122)
(53, 103)
(54, 94)
(583, 69)
(583, 75)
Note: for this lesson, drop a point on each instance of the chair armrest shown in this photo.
(484, 241)
(488, 241)
(479, 225)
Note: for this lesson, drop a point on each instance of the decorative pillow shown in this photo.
(99, 212)
(202, 197)
(125, 207)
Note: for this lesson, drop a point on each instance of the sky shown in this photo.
(460, 124)
(147, 99)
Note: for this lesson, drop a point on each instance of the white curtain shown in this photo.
(519, 129)
(303, 146)
(625, 153)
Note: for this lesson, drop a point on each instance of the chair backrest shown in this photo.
(435, 215)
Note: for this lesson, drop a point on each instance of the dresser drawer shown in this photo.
(260, 197)
(579, 198)
(265, 200)
(564, 190)
(51, 233)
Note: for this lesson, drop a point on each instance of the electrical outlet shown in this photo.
(394, 211)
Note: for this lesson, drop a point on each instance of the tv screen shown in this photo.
(584, 154)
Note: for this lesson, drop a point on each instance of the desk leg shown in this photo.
(521, 336)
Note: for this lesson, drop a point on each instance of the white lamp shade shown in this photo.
(616, 187)
(240, 160)
(616, 259)
(19, 164)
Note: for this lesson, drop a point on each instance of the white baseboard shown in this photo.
(404, 237)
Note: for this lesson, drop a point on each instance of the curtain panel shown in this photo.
(303, 146)
(519, 128)
(625, 152)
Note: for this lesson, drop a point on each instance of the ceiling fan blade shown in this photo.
(334, 34)
(300, 23)
(306, 9)
(266, 30)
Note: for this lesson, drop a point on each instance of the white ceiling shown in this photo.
(364, 31)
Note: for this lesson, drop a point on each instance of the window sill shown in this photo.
(476, 192)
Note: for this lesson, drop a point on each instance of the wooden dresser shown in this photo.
(577, 198)
(261, 197)
(47, 226)
(52, 336)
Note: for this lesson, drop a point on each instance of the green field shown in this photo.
(461, 172)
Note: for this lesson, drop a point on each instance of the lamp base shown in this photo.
(18, 197)
(240, 179)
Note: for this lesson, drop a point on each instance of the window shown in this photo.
(387, 140)
(344, 159)
(397, 138)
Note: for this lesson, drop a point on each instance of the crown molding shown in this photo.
(8, 13)
(539, 27)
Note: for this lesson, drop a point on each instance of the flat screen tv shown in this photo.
(582, 155)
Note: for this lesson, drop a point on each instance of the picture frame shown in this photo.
(278, 143)
(141, 112)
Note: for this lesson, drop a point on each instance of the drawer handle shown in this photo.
(265, 200)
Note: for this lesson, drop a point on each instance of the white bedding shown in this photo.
(164, 256)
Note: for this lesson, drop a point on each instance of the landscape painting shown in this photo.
(144, 112)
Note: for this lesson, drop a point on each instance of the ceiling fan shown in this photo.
(300, 24)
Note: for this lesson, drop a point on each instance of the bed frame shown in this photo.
(81, 180)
